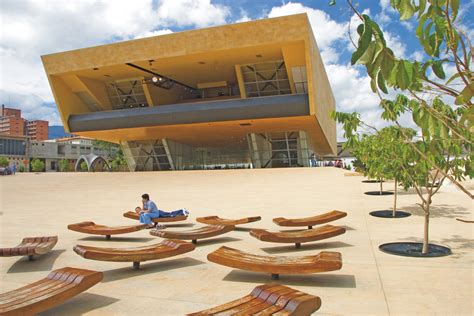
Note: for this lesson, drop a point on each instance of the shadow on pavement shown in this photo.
(40, 263)
(148, 267)
(306, 246)
(80, 304)
(326, 280)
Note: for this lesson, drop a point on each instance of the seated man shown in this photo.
(150, 211)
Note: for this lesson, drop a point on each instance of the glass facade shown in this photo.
(12, 147)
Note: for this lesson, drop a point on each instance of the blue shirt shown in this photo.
(150, 206)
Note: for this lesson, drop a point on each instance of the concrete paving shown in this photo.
(370, 282)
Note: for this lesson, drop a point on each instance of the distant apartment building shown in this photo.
(37, 130)
(12, 123)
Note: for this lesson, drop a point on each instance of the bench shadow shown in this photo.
(40, 263)
(306, 246)
(80, 305)
(148, 267)
(243, 229)
(326, 280)
(117, 239)
(212, 241)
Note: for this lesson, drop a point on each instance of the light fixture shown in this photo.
(259, 55)
(201, 62)
(95, 68)
(154, 79)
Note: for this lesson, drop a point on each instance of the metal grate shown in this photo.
(265, 79)
(127, 94)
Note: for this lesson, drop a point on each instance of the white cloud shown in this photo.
(198, 13)
(31, 106)
(154, 33)
(326, 31)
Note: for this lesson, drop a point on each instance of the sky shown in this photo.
(31, 28)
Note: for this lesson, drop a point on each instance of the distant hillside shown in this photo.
(57, 131)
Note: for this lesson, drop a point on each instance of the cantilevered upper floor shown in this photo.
(201, 87)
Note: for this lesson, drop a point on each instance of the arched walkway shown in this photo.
(94, 163)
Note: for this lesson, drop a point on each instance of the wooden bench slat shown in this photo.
(39, 292)
(264, 302)
(95, 229)
(30, 246)
(309, 235)
(167, 248)
(194, 234)
(268, 299)
(322, 262)
(41, 295)
(310, 221)
(216, 220)
(134, 215)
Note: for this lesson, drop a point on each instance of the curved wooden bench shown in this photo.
(134, 215)
(31, 246)
(194, 234)
(216, 220)
(94, 229)
(268, 299)
(59, 286)
(326, 231)
(166, 248)
(322, 262)
(310, 221)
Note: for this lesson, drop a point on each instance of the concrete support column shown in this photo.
(128, 154)
(260, 150)
(303, 149)
(179, 155)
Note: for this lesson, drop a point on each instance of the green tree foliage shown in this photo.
(37, 165)
(3, 162)
(63, 165)
(83, 166)
(426, 81)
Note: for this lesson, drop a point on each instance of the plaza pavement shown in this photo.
(369, 283)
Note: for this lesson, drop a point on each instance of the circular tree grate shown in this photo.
(389, 213)
(413, 249)
(378, 193)
(371, 181)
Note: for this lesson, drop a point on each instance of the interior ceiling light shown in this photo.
(245, 124)
(259, 55)
(95, 68)
(201, 62)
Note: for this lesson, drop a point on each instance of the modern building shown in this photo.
(37, 130)
(247, 94)
(16, 149)
(12, 123)
(71, 149)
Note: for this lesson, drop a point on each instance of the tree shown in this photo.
(444, 43)
(3, 162)
(414, 164)
(84, 166)
(37, 165)
(440, 105)
(63, 165)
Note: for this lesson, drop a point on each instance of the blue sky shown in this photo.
(31, 28)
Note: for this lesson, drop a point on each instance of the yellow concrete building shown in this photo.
(239, 95)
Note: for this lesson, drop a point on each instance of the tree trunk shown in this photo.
(426, 208)
(381, 187)
(395, 200)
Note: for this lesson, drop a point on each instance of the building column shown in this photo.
(260, 150)
(128, 154)
(303, 149)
